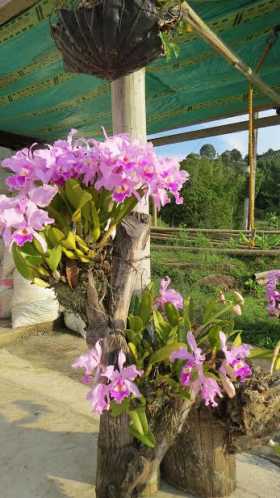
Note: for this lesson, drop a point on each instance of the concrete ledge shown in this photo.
(9, 335)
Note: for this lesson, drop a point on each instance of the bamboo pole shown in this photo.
(208, 35)
(252, 162)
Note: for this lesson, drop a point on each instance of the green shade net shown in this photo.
(38, 98)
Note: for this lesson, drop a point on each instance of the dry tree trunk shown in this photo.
(202, 460)
(199, 462)
(123, 465)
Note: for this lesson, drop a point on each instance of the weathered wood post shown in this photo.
(129, 116)
(199, 462)
(202, 459)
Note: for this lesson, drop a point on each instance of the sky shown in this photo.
(268, 138)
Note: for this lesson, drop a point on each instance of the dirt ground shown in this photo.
(48, 436)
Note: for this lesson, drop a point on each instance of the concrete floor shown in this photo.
(48, 436)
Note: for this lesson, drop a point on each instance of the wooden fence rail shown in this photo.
(217, 241)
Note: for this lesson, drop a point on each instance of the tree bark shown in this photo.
(202, 460)
(124, 466)
(199, 462)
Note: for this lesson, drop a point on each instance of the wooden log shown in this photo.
(129, 116)
(122, 470)
(239, 252)
(212, 230)
(200, 463)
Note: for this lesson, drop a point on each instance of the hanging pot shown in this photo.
(110, 38)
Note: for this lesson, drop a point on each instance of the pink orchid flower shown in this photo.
(169, 295)
(99, 398)
(207, 388)
(121, 381)
(234, 365)
(91, 363)
(195, 359)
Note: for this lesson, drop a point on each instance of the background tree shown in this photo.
(268, 167)
(213, 197)
(208, 150)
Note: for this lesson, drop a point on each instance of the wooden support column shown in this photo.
(129, 116)
(252, 166)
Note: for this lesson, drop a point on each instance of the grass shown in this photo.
(258, 327)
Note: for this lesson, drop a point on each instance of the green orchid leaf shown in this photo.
(69, 254)
(21, 264)
(134, 337)
(40, 283)
(238, 340)
(145, 306)
(82, 244)
(54, 236)
(186, 313)
(135, 422)
(172, 336)
(77, 197)
(164, 353)
(117, 409)
(146, 439)
(60, 219)
(53, 257)
(172, 314)
(261, 353)
(135, 323)
(70, 241)
(96, 230)
(133, 351)
(162, 327)
(213, 336)
(139, 427)
(143, 418)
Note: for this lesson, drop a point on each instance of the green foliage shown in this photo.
(84, 222)
(208, 150)
(267, 199)
(213, 197)
(257, 326)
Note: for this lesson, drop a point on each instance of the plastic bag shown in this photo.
(32, 304)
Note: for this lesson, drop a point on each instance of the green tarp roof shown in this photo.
(38, 98)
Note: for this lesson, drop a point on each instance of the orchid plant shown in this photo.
(273, 300)
(67, 199)
(273, 294)
(169, 355)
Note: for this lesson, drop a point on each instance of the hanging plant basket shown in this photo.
(109, 38)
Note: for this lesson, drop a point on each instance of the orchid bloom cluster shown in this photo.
(120, 165)
(272, 294)
(21, 217)
(202, 370)
(108, 383)
(193, 376)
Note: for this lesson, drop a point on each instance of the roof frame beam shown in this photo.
(212, 39)
(214, 131)
(15, 141)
